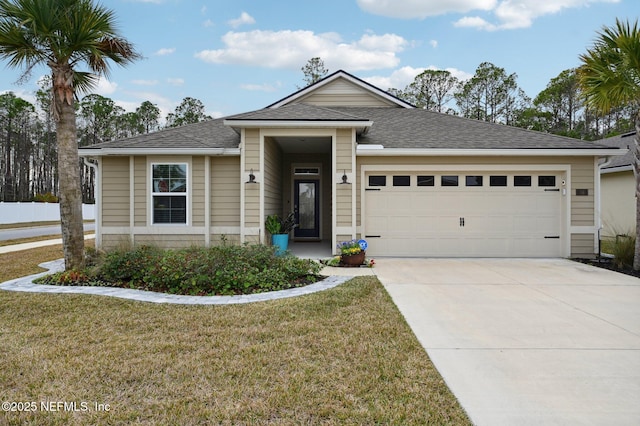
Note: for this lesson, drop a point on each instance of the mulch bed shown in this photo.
(606, 263)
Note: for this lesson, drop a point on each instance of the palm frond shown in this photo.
(610, 71)
(61, 33)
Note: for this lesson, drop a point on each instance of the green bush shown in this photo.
(45, 198)
(120, 266)
(623, 249)
(221, 270)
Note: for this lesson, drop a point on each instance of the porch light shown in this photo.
(344, 178)
(252, 177)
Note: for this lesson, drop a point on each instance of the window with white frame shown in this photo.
(169, 193)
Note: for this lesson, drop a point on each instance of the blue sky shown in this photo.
(242, 55)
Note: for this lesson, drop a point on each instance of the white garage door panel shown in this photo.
(498, 221)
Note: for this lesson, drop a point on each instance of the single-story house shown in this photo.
(618, 187)
(353, 161)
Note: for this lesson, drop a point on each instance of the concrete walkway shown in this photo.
(34, 244)
(526, 342)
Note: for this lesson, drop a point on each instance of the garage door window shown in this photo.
(377, 181)
(426, 180)
(473, 180)
(546, 181)
(401, 181)
(497, 181)
(449, 180)
(522, 181)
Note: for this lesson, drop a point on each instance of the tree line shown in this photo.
(28, 147)
(493, 95)
(28, 153)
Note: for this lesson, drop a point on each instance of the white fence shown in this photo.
(38, 212)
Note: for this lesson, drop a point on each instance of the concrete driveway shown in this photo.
(526, 342)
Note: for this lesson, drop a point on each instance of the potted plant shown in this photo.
(352, 253)
(279, 229)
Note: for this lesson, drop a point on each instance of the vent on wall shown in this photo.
(306, 171)
(582, 192)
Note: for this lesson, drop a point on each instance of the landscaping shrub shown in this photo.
(221, 270)
(72, 277)
(623, 249)
(120, 266)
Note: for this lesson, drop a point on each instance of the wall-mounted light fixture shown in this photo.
(344, 178)
(252, 177)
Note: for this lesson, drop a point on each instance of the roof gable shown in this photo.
(342, 89)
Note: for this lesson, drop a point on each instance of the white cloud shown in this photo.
(404, 76)
(259, 87)
(128, 106)
(105, 87)
(508, 14)
(244, 19)
(433, 43)
(165, 51)
(22, 94)
(475, 22)
(165, 105)
(208, 23)
(175, 81)
(215, 114)
(420, 9)
(145, 82)
(292, 49)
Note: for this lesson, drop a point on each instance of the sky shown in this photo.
(242, 55)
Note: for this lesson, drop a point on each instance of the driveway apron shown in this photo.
(526, 341)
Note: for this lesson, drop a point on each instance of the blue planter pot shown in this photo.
(281, 241)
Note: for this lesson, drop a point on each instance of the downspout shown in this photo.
(97, 200)
(600, 163)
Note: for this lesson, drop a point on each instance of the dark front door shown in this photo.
(307, 208)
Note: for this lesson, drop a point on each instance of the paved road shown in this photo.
(37, 231)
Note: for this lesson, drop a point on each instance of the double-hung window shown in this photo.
(169, 193)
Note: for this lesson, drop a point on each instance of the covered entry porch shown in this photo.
(299, 171)
(314, 250)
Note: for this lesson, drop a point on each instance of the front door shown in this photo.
(307, 208)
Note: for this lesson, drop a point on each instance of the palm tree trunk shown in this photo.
(636, 170)
(69, 181)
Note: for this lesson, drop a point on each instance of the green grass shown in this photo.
(342, 356)
(18, 264)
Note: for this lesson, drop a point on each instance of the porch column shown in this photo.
(251, 193)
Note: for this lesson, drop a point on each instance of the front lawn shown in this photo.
(342, 356)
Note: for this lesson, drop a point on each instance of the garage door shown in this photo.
(449, 214)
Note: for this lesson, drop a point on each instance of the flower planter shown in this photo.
(281, 241)
(352, 260)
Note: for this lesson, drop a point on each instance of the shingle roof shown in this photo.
(392, 128)
(297, 112)
(621, 141)
(419, 128)
(203, 135)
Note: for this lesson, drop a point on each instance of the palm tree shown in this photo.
(610, 77)
(63, 34)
